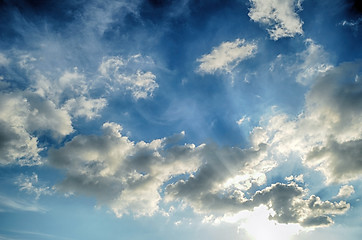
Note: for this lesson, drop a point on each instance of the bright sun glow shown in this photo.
(258, 226)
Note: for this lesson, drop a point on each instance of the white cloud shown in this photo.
(242, 120)
(125, 74)
(310, 63)
(30, 184)
(299, 178)
(84, 107)
(121, 174)
(226, 56)
(3, 60)
(328, 133)
(12, 204)
(21, 114)
(278, 15)
(44, 115)
(345, 192)
(354, 25)
(69, 85)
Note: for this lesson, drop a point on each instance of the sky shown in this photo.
(188, 119)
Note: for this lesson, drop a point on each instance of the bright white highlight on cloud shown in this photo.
(259, 227)
(278, 15)
(226, 56)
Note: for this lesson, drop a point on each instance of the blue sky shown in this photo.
(237, 119)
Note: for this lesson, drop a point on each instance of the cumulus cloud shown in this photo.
(85, 107)
(328, 133)
(299, 178)
(45, 105)
(278, 15)
(67, 85)
(340, 162)
(220, 182)
(226, 56)
(126, 74)
(121, 174)
(290, 207)
(21, 114)
(345, 191)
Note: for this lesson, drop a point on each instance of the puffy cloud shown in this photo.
(121, 174)
(278, 15)
(17, 145)
(299, 178)
(226, 56)
(345, 191)
(340, 162)
(221, 180)
(43, 115)
(30, 184)
(84, 107)
(68, 90)
(21, 114)
(125, 74)
(290, 207)
(60, 88)
(328, 133)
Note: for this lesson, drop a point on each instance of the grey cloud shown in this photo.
(45, 116)
(317, 221)
(24, 116)
(341, 162)
(119, 173)
(287, 200)
(280, 198)
(9, 140)
(207, 188)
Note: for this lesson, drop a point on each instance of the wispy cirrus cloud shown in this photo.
(12, 204)
(122, 75)
(31, 185)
